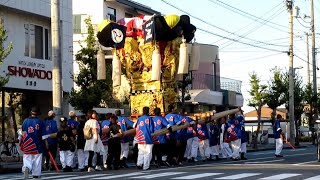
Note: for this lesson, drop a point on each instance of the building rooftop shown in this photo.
(138, 7)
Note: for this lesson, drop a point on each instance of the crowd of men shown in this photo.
(94, 142)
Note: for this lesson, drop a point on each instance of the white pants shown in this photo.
(204, 149)
(225, 150)
(235, 145)
(124, 150)
(75, 159)
(33, 162)
(83, 157)
(214, 150)
(279, 146)
(66, 158)
(144, 155)
(105, 154)
(243, 147)
(192, 148)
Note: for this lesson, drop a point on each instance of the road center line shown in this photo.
(304, 163)
(261, 162)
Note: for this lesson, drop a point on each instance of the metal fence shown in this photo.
(215, 83)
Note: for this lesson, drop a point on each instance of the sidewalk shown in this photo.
(15, 167)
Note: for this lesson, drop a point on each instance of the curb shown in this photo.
(273, 148)
(6, 170)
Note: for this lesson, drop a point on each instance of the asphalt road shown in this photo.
(296, 164)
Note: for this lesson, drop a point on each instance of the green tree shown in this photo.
(90, 92)
(258, 93)
(275, 92)
(4, 51)
(308, 100)
(299, 96)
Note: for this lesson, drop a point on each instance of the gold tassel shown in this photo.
(156, 65)
(116, 70)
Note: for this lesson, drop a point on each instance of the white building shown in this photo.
(29, 65)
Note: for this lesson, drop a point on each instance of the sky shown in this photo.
(252, 35)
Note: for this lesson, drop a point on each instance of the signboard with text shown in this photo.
(29, 74)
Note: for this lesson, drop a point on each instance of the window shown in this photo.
(36, 41)
(112, 14)
(79, 26)
(128, 15)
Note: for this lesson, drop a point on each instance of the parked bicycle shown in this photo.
(9, 150)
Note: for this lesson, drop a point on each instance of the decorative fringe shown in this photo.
(195, 57)
(156, 65)
(183, 58)
(101, 65)
(116, 70)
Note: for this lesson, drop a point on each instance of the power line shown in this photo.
(254, 20)
(256, 46)
(302, 24)
(251, 16)
(256, 28)
(212, 24)
(262, 57)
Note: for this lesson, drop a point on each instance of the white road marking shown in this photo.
(280, 176)
(62, 176)
(195, 176)
(120, 175)
(230, 162)
(314, 178)
(157, 175)
(304, 163)
(239, 176)
(272, 152)
(88, 176)
(261, 162)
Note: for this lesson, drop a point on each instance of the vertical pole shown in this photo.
(2, 114)
(314, 62)
(56, 58)
(314, 77)
(183, 92)
(291, 81)
(308, 63)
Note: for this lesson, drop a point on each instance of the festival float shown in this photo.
(151, 51)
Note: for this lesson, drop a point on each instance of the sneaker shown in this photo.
(36, 177)
(278, 155)
(98, 168)
(26, 173)
(90, 169)
(235, 159)
(180, 164)
(139, 167)
(82, 170)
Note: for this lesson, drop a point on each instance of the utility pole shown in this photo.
(291, 82)
(314, 61)
(315, 107)
(56, 58)
(308, 63)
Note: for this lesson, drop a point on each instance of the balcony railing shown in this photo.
(230, 84)
(215, 83)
